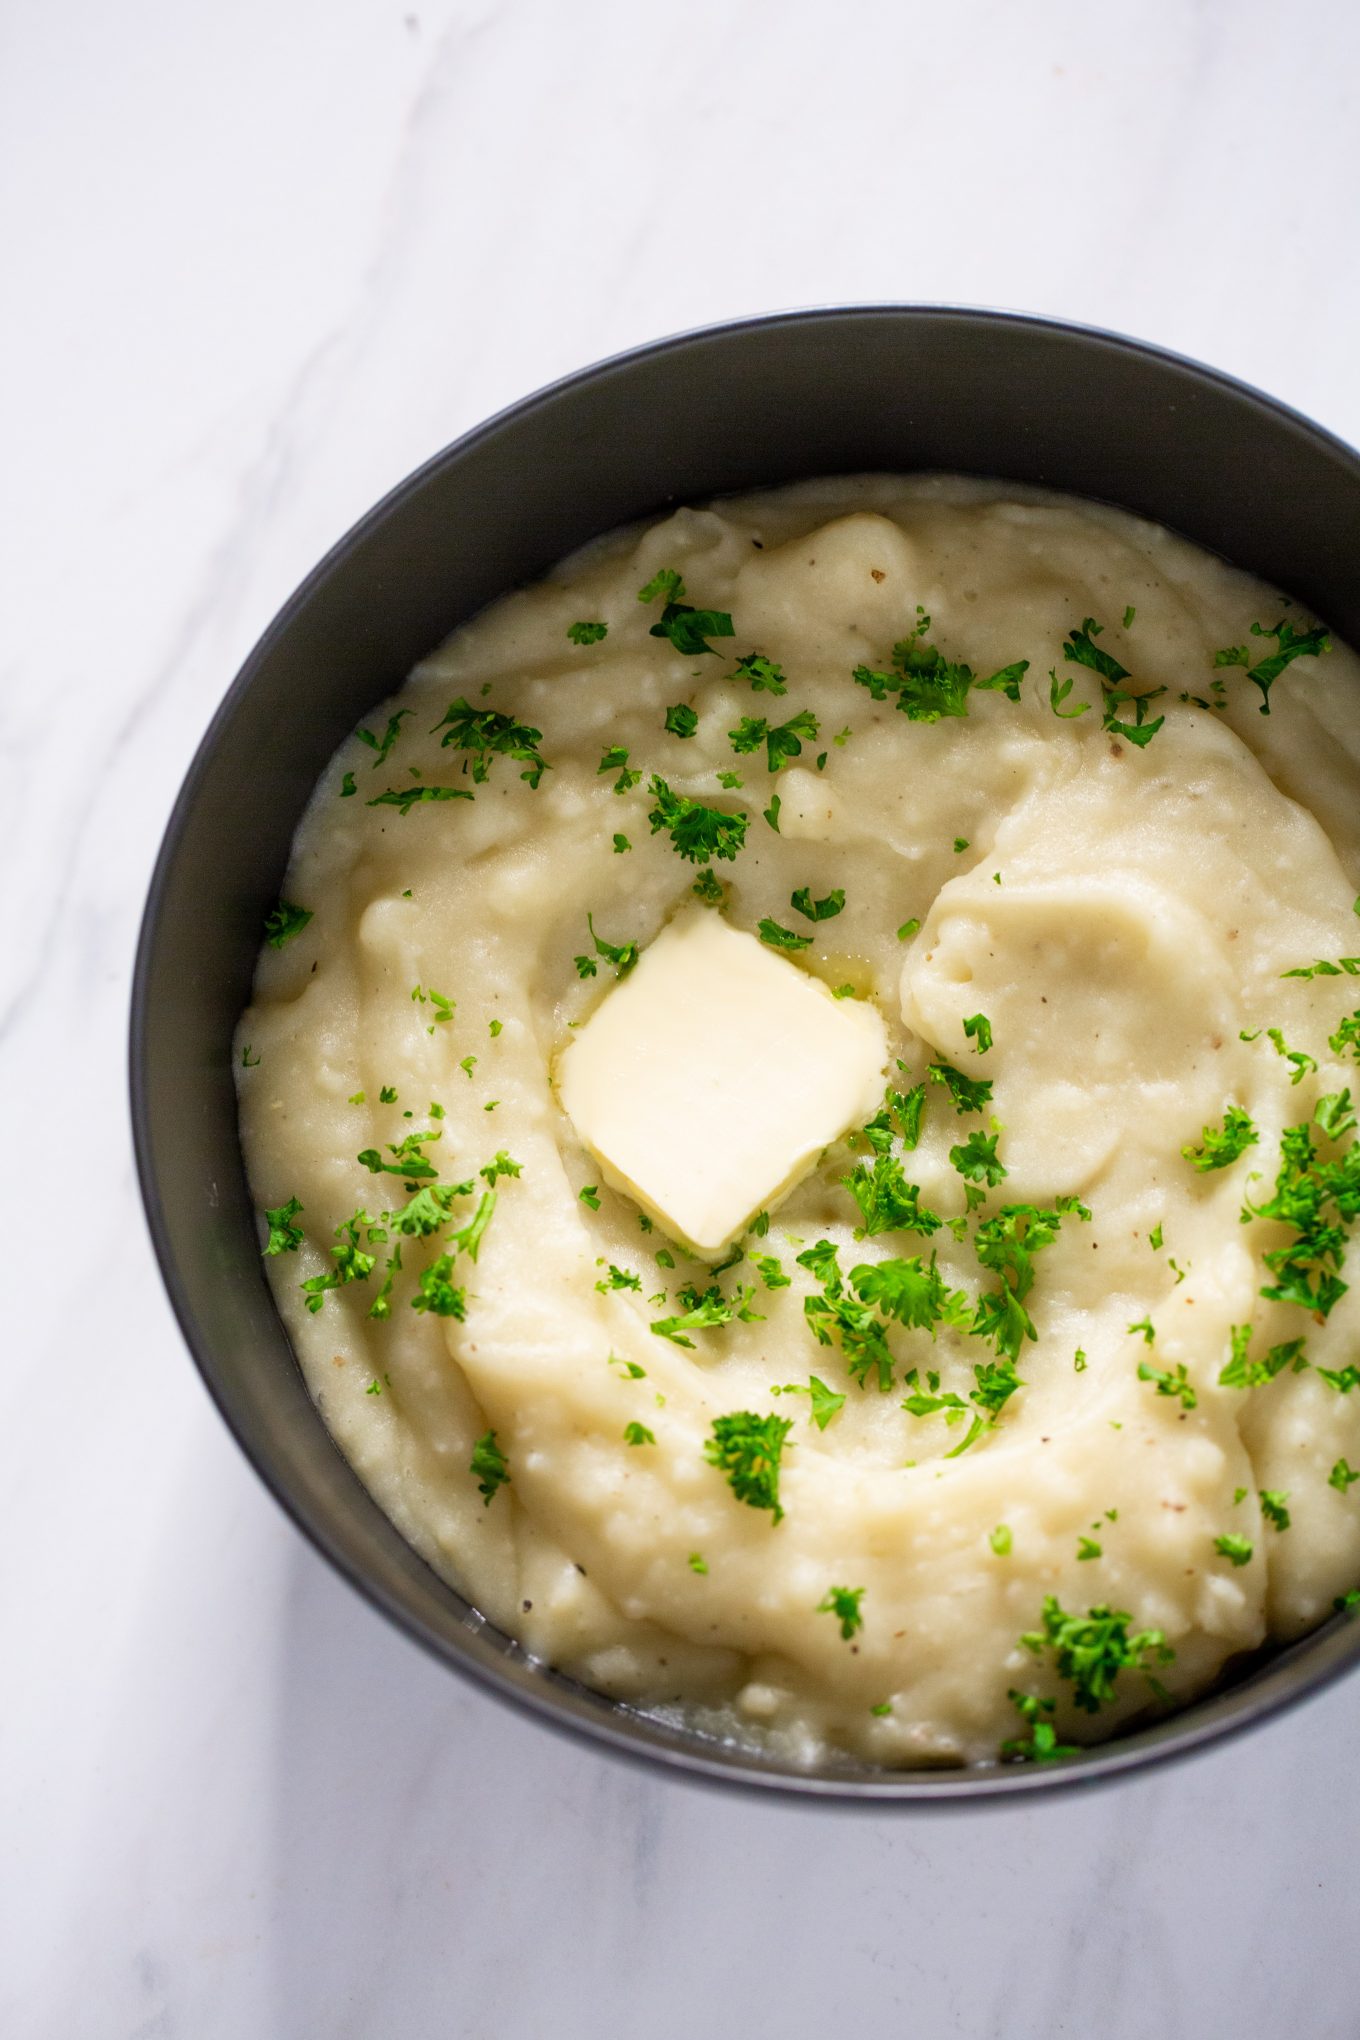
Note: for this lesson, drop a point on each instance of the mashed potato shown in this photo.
(1026, 1424)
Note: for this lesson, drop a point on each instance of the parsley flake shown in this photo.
(747, 1449)
(699, 833)
(764, 676)
(977, 1027)
(782, 741)
(404, 798)
(1176, 1384)
(803, 903)
(488, 1467)
(623, 955)
(778, 937)
(843, 1603)
(485, 733)
(1236, 1549)
(614, 758)
(284, 1236)
(1091, 1650)
(681, 720)
(1273, 1507)
(1290, 644)
(687, 628)
(587, 633)
(284, 922)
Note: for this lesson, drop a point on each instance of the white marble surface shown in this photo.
(259, 260)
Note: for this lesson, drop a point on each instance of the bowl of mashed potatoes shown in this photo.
(745, 1055)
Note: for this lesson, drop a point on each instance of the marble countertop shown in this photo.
(260, 261)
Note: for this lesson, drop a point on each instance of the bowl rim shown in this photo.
(1212, 1719)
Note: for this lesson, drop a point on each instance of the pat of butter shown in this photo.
(707, 1083)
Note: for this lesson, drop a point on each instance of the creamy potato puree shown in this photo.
(1122, 915)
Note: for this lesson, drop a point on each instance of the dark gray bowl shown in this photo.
(888, 387)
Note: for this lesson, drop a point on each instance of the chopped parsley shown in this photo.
(770, 1270)
(1347, 1036)
(843, 1603)
(688, 628)
(284, 922)
(1243, 1372)
(284, 1236)
(698, 833)
(709, 888)
(1342, 1476)
(1041, 1745)
(782, 741)
(468, 1238)
(1218, 1150)
(443, 1008)
(970, 1094)
(488, 1467)
(404, 798)
(1236, 1549)
(348, 786)
(638, 1434)
(1311, 1196)
(1087, 1548)
(621, 843)
(381, 1306)
(1001, 1540)
(803, 903)
(428, 1210)
(615, 759)
(623, 955)
(1006, 1246)
(977, 1027)
(1081, 649)
(1176, 1384)
(1290, 644)
(911, 1291)
(778, 937)
(681, 720)
(383, 745)
(747, 1449)
(1345, 966)
(1273, 1507)
(387, 1095)
(764, 676)
(705, 1311)
(976, 1160)
(824, 1401)
(587, 633)
(437, 1294)
(697, 1563)
(1058, 691)
(837, 1316)
(590, 1195)
(1304, 1065)
(410, 1164)
(485, 733)
(929, 686)
(887, 1201)
(352, 1264)
(908, 929)
(1091, 1650)
(619, 1278)
(1146, 1327)
(248, 1061)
